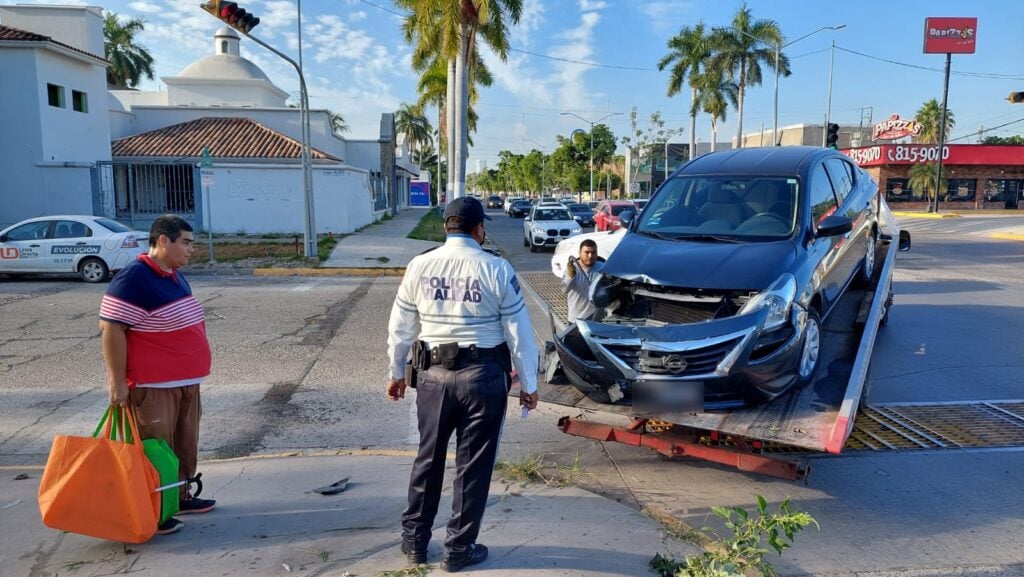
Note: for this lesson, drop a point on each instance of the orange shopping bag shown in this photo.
(101, 486)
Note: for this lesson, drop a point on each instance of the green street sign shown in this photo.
(206, 162)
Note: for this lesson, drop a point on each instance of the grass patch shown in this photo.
(532, 468)
(380, 259)
(430, 227)
(324, 246)
(233, 251)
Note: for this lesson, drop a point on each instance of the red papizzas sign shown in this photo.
(950, 35)
(952, 154)
(895, 127)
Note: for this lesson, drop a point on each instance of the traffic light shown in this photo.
(231, 14)
(832, 136)
(1016, 97)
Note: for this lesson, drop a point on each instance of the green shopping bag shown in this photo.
(165, 462)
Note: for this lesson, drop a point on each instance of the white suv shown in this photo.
(547, 225)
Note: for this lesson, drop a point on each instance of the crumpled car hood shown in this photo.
(700, 264)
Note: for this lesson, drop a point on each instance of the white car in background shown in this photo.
(606, 242)
(547, 225)
(90, 246)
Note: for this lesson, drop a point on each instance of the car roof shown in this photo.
(617, 202)
(765, 160)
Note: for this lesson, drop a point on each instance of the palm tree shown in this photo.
(338, 123)
(447, 30)
(922, 180)
(715, 93)
(738, 51)
(128, 60)
(930, 117)
(690, 52)
(410, 121)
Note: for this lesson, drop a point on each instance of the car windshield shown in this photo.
(734, 207)
(521, 203)
(618, 208)
(579, 208)
(552, 214)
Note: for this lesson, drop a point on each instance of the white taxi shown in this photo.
(90, 246)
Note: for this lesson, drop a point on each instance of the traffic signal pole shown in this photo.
(942, 135)
(309, 232)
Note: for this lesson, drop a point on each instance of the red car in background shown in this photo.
(606, 215)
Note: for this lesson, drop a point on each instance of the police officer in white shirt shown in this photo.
(460, 321)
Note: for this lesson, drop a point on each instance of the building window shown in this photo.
(960, 190)
(55, 95)
(223, 46)
(79, 101)
(1001, 190)
(898, 190)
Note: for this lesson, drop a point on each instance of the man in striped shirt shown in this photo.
(156, 351)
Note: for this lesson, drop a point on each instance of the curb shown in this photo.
(340, 271)
(925, 214)
(1008, 236)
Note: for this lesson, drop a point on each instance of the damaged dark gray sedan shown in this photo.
(715, 296)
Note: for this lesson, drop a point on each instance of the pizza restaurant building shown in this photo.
(978, 175)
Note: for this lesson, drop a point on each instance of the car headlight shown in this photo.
(538, 230)
(576, 230)
(778, 299)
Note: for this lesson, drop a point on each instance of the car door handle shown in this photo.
(81, 243)
(33, 246)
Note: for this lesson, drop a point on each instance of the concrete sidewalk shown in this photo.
(269, 522)
(382, 245)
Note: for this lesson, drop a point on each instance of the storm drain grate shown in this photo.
(885, 427)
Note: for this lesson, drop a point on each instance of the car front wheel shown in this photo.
(810, 352)
(93, 270)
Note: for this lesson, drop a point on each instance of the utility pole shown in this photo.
(828, 110)
(942, 133)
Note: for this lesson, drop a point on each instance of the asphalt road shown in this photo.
(300, 366)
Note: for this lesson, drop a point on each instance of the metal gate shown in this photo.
(145, 190)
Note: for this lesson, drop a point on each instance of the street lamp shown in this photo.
(778, 49)
(591, 146)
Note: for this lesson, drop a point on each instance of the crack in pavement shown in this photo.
(228, 484)
(56, 407)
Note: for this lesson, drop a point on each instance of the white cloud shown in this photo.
(586, 5)
(572, 91)
(666, 15)
(357, 16)
(144, 7)
(529, 21)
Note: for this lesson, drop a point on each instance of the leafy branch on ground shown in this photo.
(741, 552)
(417, 571)
(533, 469)
(430, 227)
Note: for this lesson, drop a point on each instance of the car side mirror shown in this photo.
(834, 225)
(3, 238)
(527, 219)
(626, 217)
(904, 244)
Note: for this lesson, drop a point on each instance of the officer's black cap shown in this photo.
(468, 209)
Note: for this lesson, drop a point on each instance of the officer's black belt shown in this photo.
(465, 355)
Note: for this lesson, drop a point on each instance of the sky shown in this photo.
(357, 63)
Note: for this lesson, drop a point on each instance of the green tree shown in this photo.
(689, 53)
(742, 50)
(410, 121)
(930, 117)
(128, 60)
(1015, 139)
(641, 141)
(715, 93)
(922, 180)
(338, 123)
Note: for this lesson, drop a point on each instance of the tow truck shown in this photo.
(816, 418)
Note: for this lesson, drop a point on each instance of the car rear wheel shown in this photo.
(810, 351)
(867, 269)
(93, 270)
(526, 241)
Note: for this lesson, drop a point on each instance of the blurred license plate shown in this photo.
(660, 396)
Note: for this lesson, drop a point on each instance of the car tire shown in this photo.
(93, 270)
(870, 263)
(526, 241)
(810, 350)
(533, 247)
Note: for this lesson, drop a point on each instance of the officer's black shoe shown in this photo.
(412, 554)
(473, 555)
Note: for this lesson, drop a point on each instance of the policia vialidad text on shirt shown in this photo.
(458, 326)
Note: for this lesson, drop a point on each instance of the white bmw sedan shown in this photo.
(547, 225)
(90, 246)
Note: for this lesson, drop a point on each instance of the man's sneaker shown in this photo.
(413, 555)
(195, 505)
(171, 525)
(473, 555)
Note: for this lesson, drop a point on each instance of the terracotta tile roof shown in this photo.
(10, 34)
(235, 138)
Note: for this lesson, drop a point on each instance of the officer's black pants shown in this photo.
(469, 400)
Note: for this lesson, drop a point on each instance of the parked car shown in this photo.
(720, 288)
(606, 216)
(582, 214)
(507, 207)
(89, 246)
(494, 202)
(520, 208)
(547, 225)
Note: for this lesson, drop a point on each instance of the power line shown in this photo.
(986, 130)
(368, 3)
(930, 69)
